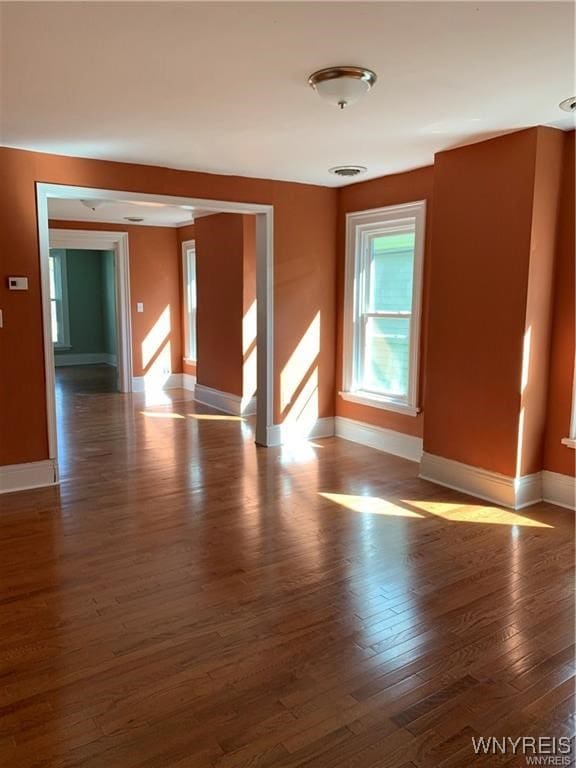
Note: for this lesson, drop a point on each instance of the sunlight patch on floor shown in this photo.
(473, 513)
(369, 504)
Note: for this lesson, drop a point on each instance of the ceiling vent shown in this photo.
(568, 105)
(134, 219)
(348, 170)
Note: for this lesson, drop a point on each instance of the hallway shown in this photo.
(186, 599)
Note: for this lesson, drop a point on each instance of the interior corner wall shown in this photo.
(482, 226)
(155, 281)
(378, 193)
(539, 299)
(219, 278)
(558, 457)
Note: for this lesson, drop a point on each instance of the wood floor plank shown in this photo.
(186, 599)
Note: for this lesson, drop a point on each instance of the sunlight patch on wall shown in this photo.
(157, 335)
(300, 362)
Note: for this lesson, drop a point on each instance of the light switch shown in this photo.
(18, 283)
(139, 307)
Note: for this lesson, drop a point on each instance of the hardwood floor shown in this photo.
(186, 599)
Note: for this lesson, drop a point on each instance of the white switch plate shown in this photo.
(18, 283)
(139, 307)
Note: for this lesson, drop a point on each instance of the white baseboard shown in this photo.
(506, 491)
(21, 477)
(278, 434)
(188, 381)
(224, 401)
(559, 489)
(85, 358)
(387, 440)
(144, 384)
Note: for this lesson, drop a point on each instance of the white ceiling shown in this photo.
(222, 87)
(115, 212)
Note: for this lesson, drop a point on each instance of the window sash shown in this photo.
(190, 300)
(362, 229)
(59, 300)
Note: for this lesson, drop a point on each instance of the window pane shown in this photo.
(54, 319)
(392, 259)
(386, 355)
(52, 267)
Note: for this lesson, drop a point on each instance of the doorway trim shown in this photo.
(265, 428)
(99, 240)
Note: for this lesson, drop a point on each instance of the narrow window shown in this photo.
(189, 282)
(59, 299)
(382, 306)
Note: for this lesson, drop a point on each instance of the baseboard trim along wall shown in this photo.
(189, 382)
(143, 384)
(387, 440)
(22, 477)
(559, 489)
(514, 493)
(85, 358)
(289, 432)
(224, 401)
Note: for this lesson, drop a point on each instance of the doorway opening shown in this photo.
(136, 351)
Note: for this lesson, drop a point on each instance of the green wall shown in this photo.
(91, 303)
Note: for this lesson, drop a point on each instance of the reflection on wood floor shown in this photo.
(186, 599)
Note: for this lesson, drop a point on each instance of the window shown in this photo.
(189, 282)
(571, 440)
(59, 299)
(382, 306)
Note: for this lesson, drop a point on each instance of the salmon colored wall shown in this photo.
(219, 274)
(538, 323)
(483, 196)
(183, 234)
(389, 190)
(304, 247)
(558, 457)
(154, 280)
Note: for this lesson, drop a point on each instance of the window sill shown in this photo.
(374, 401)
(569, 441)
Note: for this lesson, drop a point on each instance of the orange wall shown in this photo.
(183, 234)
(304, 272)
(558, 457)
(493, 226)
(219, 274)
(389, 190)
(154, 280)
(538, 323)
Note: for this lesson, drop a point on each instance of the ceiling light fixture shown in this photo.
(568, 105)
(134, 219)
(92, 204)
(342, 86)
(348, 170)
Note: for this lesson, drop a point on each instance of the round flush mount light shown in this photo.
(347, 171)
(92, 204)
(342, 86)
(134, 219)
(568, 105)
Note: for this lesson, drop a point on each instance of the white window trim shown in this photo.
(61, 285)
(190, 350)
(356, 224)
(571, 440)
